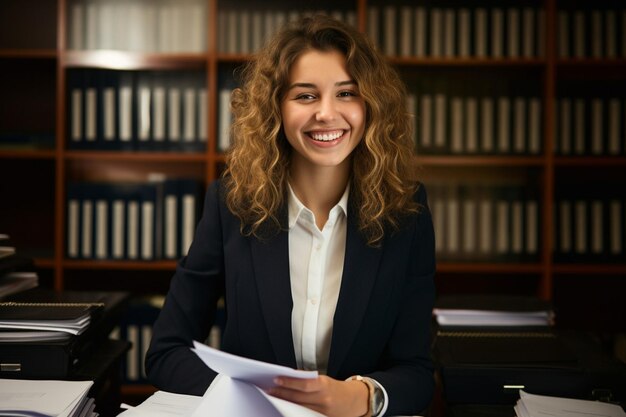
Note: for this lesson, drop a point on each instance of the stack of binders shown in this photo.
(48, 335)
(507, 343)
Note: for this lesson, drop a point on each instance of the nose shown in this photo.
(326, 110)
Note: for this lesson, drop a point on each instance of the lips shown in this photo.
(326, 136)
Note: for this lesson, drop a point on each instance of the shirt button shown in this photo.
(313, 301)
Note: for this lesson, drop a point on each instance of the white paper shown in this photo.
(259, 373)
(461, 317)
(540, 405)
(48, 397)
(238, 390)
(227, 397)
(165, 404)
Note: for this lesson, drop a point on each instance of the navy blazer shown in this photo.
(381, 325)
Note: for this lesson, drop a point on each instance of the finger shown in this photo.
(298, 384)
(295, 396)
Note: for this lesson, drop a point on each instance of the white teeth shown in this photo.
(326, 137)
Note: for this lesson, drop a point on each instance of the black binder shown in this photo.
(491, 367)
(59, 359)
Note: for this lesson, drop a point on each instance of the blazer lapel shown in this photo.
(359, 273)
(270, 259)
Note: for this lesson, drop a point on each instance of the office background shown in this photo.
(113, 119)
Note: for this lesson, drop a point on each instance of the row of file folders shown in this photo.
(149, 111)
(590, 126)
(449, 123)
(131, 221)
(136, 328)
(139, 26)
(590, 229)
(595, 33)
(485, 223)
(153, 111)
(503, 223)
(458, 32)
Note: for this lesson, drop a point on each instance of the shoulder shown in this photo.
(420, 196)
(419, 221)
(216, 190)
(215, 197)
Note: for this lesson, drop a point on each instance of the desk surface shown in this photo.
(476, 410)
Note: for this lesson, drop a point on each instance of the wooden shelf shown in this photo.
(28, 53)
(489, 268)
(427, 61)
(469, 62)
(121, 60)
(233, 58)
(44, 263)
(136, 156)
(158, 265)
(619, 270)
(590, 161)
(27, 154)
(480, 160)
(591, 62)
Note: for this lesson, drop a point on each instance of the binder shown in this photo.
(59, 359)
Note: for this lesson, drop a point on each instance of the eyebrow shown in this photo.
(311, 85)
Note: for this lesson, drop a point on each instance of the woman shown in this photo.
(317, 236)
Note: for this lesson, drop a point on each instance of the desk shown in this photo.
(103, 368)
(477, 410)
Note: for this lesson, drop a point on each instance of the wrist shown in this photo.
(375, 399)
(361, 405)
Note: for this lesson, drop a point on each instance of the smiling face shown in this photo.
(322, 111)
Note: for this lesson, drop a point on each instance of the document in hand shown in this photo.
(239, 389)
(19, 397)
(530, 405)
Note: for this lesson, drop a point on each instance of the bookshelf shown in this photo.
(40, 56)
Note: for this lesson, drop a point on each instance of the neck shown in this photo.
(319, 188)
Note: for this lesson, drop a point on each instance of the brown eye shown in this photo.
(305, 97)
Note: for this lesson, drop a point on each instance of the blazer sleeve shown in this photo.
(189, 309)
(407, 373)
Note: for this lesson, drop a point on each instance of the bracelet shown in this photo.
(370, 393)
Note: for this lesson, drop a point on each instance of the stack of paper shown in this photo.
(461, 317)
(11, 281)
(20, 320)
(25, 398)
(530, 405)
(5, 249)
(15, 282)
(492, 311)
(165, 404)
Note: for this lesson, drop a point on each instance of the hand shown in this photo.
(325, 395)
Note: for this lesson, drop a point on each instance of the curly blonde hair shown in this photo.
(257, 164)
